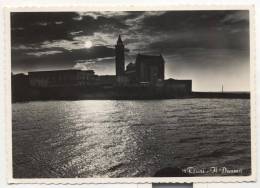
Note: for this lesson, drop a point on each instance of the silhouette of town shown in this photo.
(144, 79)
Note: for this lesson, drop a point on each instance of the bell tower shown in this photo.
(120, 57)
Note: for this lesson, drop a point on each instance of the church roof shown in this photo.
(149, 58)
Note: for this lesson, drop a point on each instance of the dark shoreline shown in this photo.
(228, 95)
(47, 95)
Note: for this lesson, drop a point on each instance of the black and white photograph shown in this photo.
(149, 94)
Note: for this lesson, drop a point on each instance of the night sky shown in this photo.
(209, 47)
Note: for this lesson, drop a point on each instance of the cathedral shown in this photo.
(144, 78)
(146, 69)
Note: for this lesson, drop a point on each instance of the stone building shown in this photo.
(146, 69)
(149, 68)
(61, 78)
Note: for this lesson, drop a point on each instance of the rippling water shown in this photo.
(110, 138)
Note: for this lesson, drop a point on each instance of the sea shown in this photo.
(130, 138)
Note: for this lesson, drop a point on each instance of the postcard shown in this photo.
(130, 94)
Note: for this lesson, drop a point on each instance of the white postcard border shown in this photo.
(8, 111)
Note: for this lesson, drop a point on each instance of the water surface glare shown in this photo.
(110, 138)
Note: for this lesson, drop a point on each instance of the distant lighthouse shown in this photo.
(120, 57)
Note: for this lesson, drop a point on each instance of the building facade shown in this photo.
(177, 87)
(149, 68)
(61, 78)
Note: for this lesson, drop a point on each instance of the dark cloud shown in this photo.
(212, 40)
(101, 23)
(200, 29)
(24, 60)
(187, 20)
(37, 27)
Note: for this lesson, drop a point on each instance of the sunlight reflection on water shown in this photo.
(128, 138)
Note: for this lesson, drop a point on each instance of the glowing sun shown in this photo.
(88, 44)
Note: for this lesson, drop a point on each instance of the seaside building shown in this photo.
(61, 78)
(148, 71)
